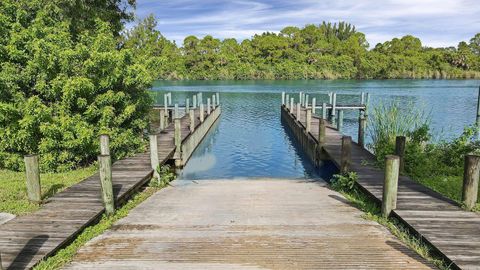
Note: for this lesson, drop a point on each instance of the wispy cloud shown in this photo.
(436, 22)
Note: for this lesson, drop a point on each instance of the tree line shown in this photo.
(324, 51)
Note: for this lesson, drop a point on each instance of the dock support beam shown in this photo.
(470, 181)
(154, 154)
(346, 156)
(32, 171)
(400, 142)
(390, 185)
(105, 163)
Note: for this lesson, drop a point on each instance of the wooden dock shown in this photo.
(246, 224)
(26, 240)
(452, 231)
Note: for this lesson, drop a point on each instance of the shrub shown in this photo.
(166, 176)
(344, 182)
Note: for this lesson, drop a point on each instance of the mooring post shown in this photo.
(324, 111)
(194, 105)
(306, 101)
(178, 143)
(340, 121)
(287, 101)
(187, 105)
(321, 131)
(390, 185)
(192, 120)
(169, 98)
(362, 98)
(299, 111)
(106, 183)
(208, 106)
(105, 144)
(165, 100)
(154, 154)
(308, 119)
(32, 172)
(202, 113)
(176, 113)
(330, 96)
(283, 98)
(1, 266)
(162, 120)
(300, 97)
(218, 98)
(346, 155)
(333, 111)
(400, 142)
(361, 129)
(477, 122)
(291, 105)
(314, 104)
(214, 102)
(470, 181)
(200, 98)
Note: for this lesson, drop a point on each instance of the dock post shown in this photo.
(162, 120)
(346, 156)
(400, 142)
(306, 101)
(200, 98)
(362, 98)
(300, 97)
(340, 121)
(202, 113)
(291, 105)
(333, 110)
(324, 110)
(187, 105)
(362, 124)
(1, 266)
(390, 185)
(32, 172)
(218, 98)
(283, 98)
(105, 144)
(178, 143)
(314, 104)
(477, 122)
(299, 111)
(169, 98)
(192, 120)
(166, 110)
(308, 125)
(154, 154)
(470, 181)
(175, 112)
(194, 101)
(208, 106)
(321, 131)
(214, 101)
(106, 183)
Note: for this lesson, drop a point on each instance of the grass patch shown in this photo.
(13, 189)
(372, 211)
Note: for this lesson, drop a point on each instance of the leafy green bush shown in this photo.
(166, 176)
(344, 182)
(62, 85)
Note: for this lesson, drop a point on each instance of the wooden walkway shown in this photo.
(26, 240)
(246, 224)
(454, 232)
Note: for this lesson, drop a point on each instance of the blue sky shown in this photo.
(435, 22)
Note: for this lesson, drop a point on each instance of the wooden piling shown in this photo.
(1, 265)
(309, 120)
(334, 107)
(187, 105)
(192, 120)
(321, 131)
(200, 98)
(194, 105)
(477, 122)
(154, 154)
(287, 101)
(300, 97)
(283, 98)
(178, 142)
(291, 105)
(218, 98)
(340, 121)
(362, 124)
(105, 165)
(400, 142)
(470, 181)
(176, 113)
(169, 98)
(324, 111)
(105, 144)
(202, 113)
(390, 185)
(362, 98)
(32, 172)
(299, 111)
(214, 105)
(306, 101)
(346, 155)
(208, 106)
(162, 120)
(314, 104)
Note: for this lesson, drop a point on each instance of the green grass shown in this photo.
(373, 212)
(13, 190)
(67, 254)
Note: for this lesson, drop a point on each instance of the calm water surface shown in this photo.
(250, 141)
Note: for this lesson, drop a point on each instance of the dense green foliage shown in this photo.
(325, 51)
(64, 80)
(436, 165)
